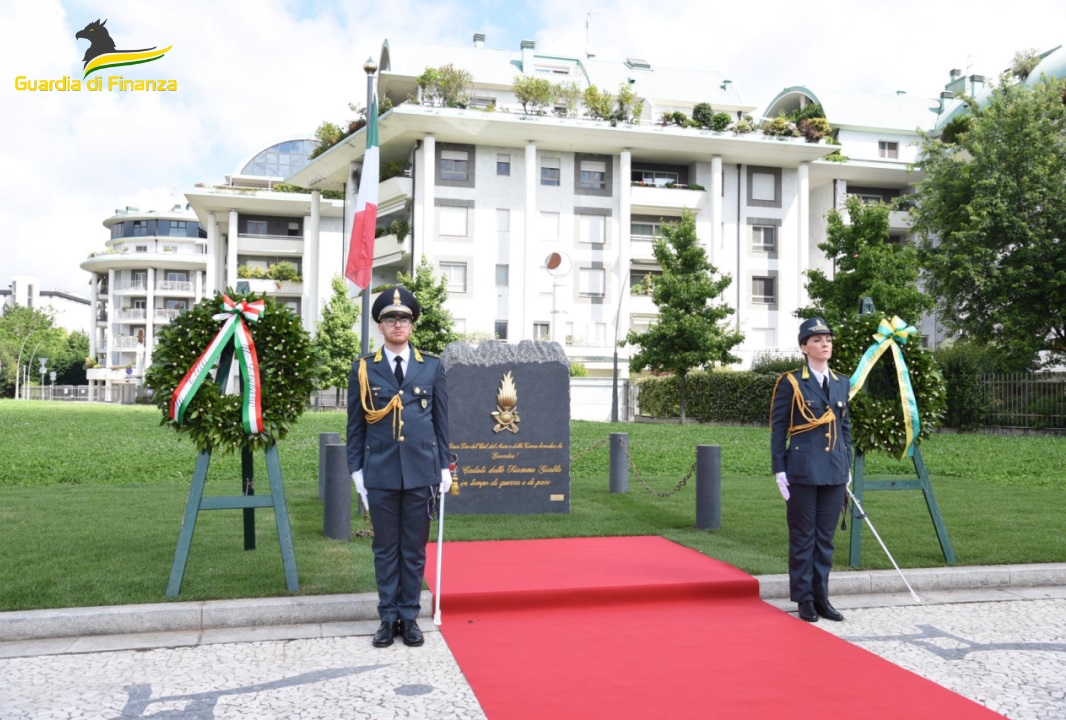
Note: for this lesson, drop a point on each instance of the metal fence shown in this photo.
(121, 393)
(1035, 401)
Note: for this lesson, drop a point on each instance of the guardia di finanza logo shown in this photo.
(103, 54)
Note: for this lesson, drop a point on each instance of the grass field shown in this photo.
(92, 496)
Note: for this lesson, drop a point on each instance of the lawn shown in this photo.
(91, 501)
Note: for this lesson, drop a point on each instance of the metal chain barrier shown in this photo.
(594, 446)
(656, 493)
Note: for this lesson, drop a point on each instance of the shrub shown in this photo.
(727, 397)
(282, 271)
(720, 121)
(702, 115)
(814, 129)
(578, 370)
(765, 362)
(744, 125)
(962, 364)
(780, 127)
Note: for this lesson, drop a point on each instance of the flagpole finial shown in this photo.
(370, 66)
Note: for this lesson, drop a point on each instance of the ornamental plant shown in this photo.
(288, 372)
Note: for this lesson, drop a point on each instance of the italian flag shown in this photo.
(361, 247)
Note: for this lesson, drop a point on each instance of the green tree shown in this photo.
(25, 335)
(336, 342)
(867, 265)
(447, 86)
(435, 327)
(598, 105)
(991, 216)
(569, 96)
(690, 333)
(535, 93)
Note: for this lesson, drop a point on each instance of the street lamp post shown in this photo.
(614, 374)
(44, 369)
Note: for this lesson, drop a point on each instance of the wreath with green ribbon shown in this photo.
(896, 404)
(278, 372)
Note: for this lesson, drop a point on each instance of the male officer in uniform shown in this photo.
(810, 445)
(398, 455)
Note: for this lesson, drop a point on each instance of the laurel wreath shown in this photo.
(288, 370)
(876, 411)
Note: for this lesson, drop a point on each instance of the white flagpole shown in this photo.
(440, 557)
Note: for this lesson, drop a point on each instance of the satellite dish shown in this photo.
(558, 264)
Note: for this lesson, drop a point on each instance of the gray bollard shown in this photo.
(337, 504)
(324, 439)
(619, 463)
(708, 487)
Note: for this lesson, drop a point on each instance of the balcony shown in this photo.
(389, 250)
(165, 315)
(119, 342)
(641, 247)
(174, 286)
(132, 288)
(128, 315)
(651, 200)
(899, 220)
(263, 286)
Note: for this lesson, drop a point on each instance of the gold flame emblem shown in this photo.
(506, 400)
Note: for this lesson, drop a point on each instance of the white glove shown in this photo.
(445, 480)
(360, 487)
(782, 484)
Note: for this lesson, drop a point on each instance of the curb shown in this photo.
(313, 609)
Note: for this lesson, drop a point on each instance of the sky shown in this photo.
(250, 73)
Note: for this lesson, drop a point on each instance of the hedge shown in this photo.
(727, 397)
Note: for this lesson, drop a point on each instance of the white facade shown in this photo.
(67, 309)
(151, 269)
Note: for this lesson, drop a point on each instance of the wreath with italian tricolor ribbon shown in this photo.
(278, 371)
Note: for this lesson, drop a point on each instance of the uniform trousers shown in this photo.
(813, 511)
(401, 531)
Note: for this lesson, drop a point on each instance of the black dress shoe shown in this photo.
(806, 611)
(823, 608)
(412, 636)
(386, 632)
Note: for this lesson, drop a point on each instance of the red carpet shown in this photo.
(640, 627)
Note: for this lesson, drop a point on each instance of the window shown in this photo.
(541, 331)
(645, 229)
(888, 150)
(139, 304)
(762, 238)
(178, 227)
(869, 198)
(174, 304)
(503, 275)
(501, 329)
(483, 102)
(591, 282)
(176, 275)
(294, 229)
(140, 228)
(549, 226)
(454, 164)
(257, 227)
(455, 274)
(593, 175)
(655, 177)
(763, 187)
(503, 164)
(140, 279)
(592, 229)
(140, 248)
(453, 221)
(762, 290)
(553, 69)
(549, 171)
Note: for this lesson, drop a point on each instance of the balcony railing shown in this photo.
(135, 314)
(124, 341)
(166, 314)
(140, 286)
(174, 285)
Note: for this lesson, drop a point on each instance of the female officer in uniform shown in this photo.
(810, 445)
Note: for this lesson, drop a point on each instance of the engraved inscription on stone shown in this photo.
(509, 464)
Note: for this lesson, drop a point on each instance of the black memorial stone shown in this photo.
(509, 425)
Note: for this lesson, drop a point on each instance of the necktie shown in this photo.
(825, 385)
(399, 370)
